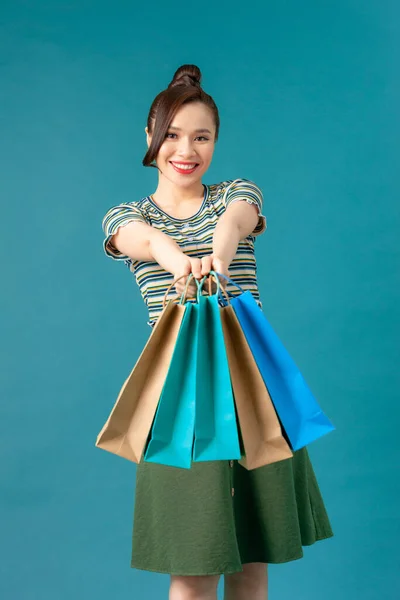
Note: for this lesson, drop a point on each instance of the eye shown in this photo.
(167, 135)
(202, 137)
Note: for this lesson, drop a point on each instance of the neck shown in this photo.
(172, 194)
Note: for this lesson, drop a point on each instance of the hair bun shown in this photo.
(187, 75)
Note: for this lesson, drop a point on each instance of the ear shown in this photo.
(148, 137)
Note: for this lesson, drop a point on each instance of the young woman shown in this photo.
(216, 518)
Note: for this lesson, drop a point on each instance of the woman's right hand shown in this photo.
(188, 265)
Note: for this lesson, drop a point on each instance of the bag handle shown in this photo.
(228, 295)
(183, 297)
(220, 291)
(229, 280)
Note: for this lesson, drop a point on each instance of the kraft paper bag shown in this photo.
(260, 428)
(127, 428)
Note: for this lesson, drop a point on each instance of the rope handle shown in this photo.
(223, 294)
(228, 295)
(220, 290)
(229, 280)
(183, 297)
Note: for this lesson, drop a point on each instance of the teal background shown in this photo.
(308, 94)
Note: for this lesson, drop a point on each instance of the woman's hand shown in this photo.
(199, 268)
(213, 263)
(188, 265)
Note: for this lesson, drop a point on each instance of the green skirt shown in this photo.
(215, 517)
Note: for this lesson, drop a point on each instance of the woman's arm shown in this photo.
(237, 222)
(143, 242)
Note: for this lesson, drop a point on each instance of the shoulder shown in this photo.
(241, 188)
(141, 205)
(122, 213)
(226, 193)
(134, 206)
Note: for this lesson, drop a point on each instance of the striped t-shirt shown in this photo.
(194, 235)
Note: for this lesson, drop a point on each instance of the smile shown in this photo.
(185, 168)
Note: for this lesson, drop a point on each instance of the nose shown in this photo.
(186, 149)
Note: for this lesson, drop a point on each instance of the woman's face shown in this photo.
(188, 148)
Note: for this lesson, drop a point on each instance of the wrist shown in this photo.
(165, 251)
(225, 244)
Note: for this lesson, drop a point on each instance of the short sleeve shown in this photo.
(116, 217)
(244, 189)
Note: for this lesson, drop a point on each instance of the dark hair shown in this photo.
(184, 88)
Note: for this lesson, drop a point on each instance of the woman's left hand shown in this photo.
(213, 263)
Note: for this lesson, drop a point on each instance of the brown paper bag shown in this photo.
(127, 428)
(259, 425)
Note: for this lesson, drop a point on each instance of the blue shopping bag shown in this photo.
(298, 410)
(171, 437)
(216, 428)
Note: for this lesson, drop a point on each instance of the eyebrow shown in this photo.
(196, 130)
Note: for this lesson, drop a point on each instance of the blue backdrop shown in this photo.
(307, 96)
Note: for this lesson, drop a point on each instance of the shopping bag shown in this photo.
(127, 427)
(216, 431)
(171, 437)
(259, 425)
(298, 410)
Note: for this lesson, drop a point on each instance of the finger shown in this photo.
(218, 265)
(196, 267)
(181, 278)
(206, 265)
(191, 289)
(181, 284)
(179, 289)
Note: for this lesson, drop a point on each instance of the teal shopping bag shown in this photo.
(216, 428)
(171, 437)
